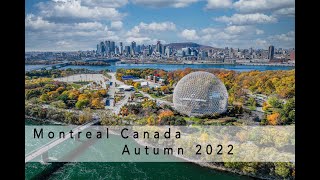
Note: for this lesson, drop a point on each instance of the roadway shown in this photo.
(112, 90)
(51, 144)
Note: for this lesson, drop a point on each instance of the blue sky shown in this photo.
(68, 25)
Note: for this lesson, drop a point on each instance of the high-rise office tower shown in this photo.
(102, 47)
(133, 47)
(107, 46)
(271, 52)
(121, 48)
(98, 49)
(159, 47)
(112, 46)
(138, 49)
(163, 49)
(127, 50)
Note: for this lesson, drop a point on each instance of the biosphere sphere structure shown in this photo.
(200, 93)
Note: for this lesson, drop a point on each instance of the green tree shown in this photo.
(275, 102)
(44, 98)
(63, 97)
(59, 104)
(82, 103)
(282, 169)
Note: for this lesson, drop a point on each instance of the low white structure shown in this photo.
(125, 88)
(144, 84)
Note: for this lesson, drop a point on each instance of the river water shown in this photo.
(91, 170)
(135, 170)
(171, 67)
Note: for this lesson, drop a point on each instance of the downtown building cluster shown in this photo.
(191, 51)
(171, 52)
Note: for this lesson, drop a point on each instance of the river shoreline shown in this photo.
(177, 63)
(209, 63)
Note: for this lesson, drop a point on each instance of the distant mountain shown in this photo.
(188, 44)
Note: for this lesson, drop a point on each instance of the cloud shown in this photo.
(141, 33)
(261, 43)
(37, 23)
(259, 31)
(105, 3)
(189, 34)
(71, 10)
(153, 27)
(89, 26)
(162, 26)
(165, 3)
(290, 12)
(44, 35)
(287, 37)
(215, 4)
(237, 29)
(251, 6)
(246, 19)
(285, 40)
(116, 25)
(209, 30)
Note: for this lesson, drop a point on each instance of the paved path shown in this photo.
(159, 101)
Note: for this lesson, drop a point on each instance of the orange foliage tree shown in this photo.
(163, 114)
(274, 119)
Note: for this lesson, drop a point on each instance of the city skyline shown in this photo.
(69, 25)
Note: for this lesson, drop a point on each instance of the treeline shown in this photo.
(62, 95)
(41, 62)
(269, 170)
(280, 83)
(89, 63)
(58, 115)
(55, 73)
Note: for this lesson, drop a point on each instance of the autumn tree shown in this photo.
(273, 119)
(164, 89)
(152, 119)
(164, 114)
(137, 85)
(96, 103)
(85, 116)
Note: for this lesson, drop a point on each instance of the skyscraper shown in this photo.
(107, 47)
(159, 47)
(121, 48)
(112, 46)
(163, 49)
(127, 50)
(98, 49)
(133, 47)
(102, 48)
(271, 52)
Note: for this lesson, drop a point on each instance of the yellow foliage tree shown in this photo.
(164, 89)
(83, 97)
(136, 85)
(96, 103)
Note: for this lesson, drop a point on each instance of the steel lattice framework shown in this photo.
(200, 93)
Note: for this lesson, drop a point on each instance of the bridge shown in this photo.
(43, 150)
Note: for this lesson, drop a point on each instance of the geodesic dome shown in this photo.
(200, 93)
